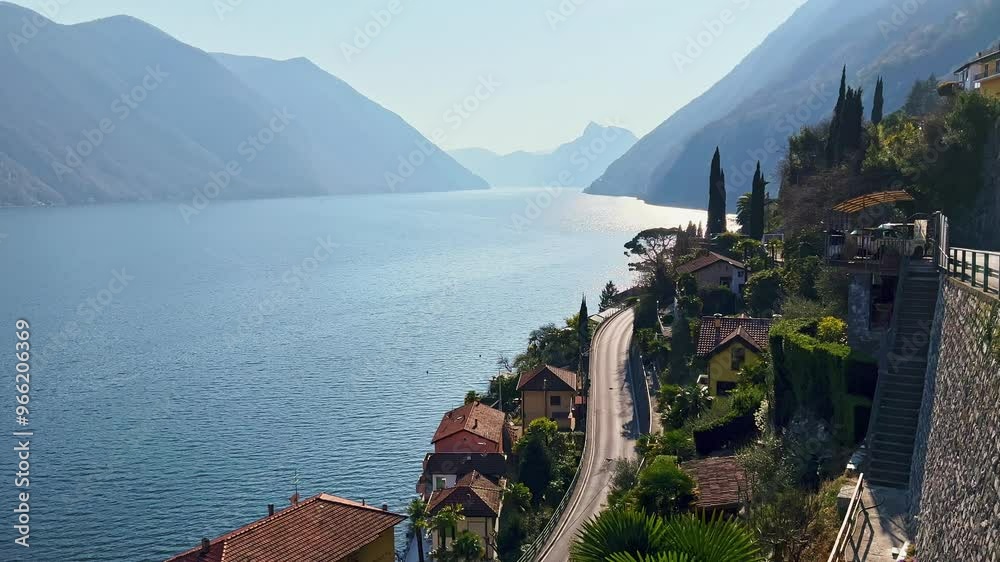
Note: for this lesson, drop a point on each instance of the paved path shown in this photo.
(610, 432)
(887, 525)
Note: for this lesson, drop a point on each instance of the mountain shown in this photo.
(576, 163)
(791, 79)
(353, 142)
(117, 110)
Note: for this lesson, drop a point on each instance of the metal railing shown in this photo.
(530, 552)
(979, 268)
(845, 537)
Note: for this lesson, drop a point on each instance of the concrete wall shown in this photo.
(537, 403)
(955, 475)
(381, 549)
(860, 336)
(713, 274)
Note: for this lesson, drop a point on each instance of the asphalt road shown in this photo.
(610, 432)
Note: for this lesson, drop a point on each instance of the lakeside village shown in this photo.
(785, 363)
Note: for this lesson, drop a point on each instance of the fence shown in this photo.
(845, 537)
(979, 268)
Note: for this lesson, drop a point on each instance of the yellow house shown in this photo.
(322, 527)
(729, 344)
(548, 392)
(981, 74)
(480, 501)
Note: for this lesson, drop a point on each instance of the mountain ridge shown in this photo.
(115, 109)
(576, 163)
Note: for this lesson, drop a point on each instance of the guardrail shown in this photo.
(846, 534)
(979, 268)
(530, 552)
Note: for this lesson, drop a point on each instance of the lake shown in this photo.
(186, 373)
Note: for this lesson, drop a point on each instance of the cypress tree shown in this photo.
(878, 105)
(716, 197)
(757, 201)
(833, 142)
(583, 331)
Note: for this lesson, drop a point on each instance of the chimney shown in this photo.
(385, 507)
(475, 423)
(206, 545)
(363, 501)
(270, 509)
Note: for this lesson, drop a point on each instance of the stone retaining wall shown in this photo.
(955, 475)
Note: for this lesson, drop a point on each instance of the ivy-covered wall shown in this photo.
(955, 474)
(827, 379)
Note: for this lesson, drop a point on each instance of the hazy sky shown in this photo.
(555, 65)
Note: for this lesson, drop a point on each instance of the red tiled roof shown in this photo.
(547, 377)
(719, 481)
(478, 496)
(698, 264)
(754, 330)
(323, 527)
(475, 418)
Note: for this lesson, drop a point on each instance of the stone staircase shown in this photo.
(902, 386)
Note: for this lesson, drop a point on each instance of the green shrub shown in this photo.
(831, 330)
(663, 488)
(764, 292)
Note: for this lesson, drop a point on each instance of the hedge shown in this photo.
(827, 379)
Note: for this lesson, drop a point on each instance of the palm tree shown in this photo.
(630, 536)
(471, 396)
(419, 522)
(743, 213)
(467, 547)
(445, 520)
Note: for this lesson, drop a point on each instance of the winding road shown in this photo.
(610, 432)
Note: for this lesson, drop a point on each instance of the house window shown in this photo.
(739, 274)
(723, 388)
(739, 355)
(555, 400)
(440, 483)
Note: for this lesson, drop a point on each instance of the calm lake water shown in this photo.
(184, 373)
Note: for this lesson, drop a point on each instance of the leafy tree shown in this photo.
(681, 347)
(716, 197)
(467, 547)
(717, 300)
(663, 488)
(764, 292)
(757, 204)
(652, 251)
(420, 521)
(471, 396)
(517, 496)
(687, 285)
(608, 296)
(624, 478)
(878, 105)
(923, 98)
(626, 535)
(552, 345)
(536, 462)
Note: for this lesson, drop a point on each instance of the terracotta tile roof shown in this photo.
(460, 464)
(719, 482)
(323, 527)
(547, 377)
(754, 330)
(698, 264)
(475, 418)
(478, 496)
